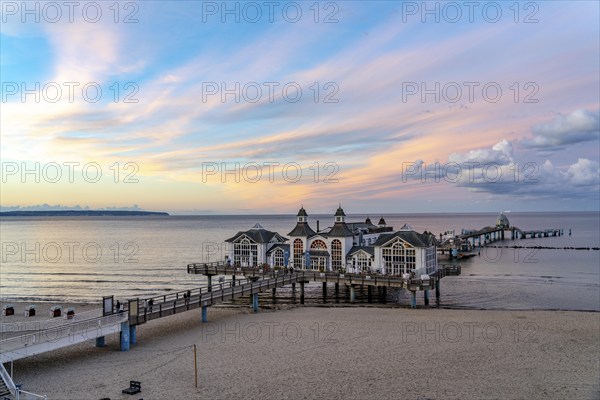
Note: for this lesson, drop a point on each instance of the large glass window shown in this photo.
(245, 253)
(363, 262)
(399, 259)
(336, 255)
(298, 251)
(278, 260)
(318, 262)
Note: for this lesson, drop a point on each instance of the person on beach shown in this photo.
(118, 306)
(150, 304)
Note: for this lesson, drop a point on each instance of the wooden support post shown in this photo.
(100, 341)
(426, 297)
(384, 294)
(233, 280)
(324, 292)
(301, 292)
(352, 294)
(337, 292)
(370, 294)
(437, 290)
(293, 286)
(413, 299)
(209, 283)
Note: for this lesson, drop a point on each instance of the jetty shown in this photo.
(468, 240)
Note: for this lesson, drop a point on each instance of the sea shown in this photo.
(82, 259)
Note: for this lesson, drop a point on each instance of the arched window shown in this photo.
(318, 262)
(298, 251)
(318, 245)
(336, 255)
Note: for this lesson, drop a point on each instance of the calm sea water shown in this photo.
(83, 259)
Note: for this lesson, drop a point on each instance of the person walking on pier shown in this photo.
(188, 294)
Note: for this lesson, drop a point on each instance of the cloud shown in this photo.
(501, 154)
(498, 171)
(578, 127)
(583, 173)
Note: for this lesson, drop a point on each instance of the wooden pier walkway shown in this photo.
(491, 234)
(139, 311)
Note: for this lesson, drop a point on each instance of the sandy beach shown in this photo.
(336, 353)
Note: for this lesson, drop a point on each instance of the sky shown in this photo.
(234, 107)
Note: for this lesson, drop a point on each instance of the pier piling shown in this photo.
(301, 292)
(437, 289)
(352, 294)
(426, 297)
(255, 302)
(413, 300)
(324, 292)
(204, 313)
(124, 336)
(369, 294)
(133, 334)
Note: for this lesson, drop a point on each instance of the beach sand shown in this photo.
(335, 353)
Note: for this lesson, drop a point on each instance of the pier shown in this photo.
(250, 282)
(468, 240)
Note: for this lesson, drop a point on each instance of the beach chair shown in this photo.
(55, 311)
(134, 387)
(8, 309)
(70, 314)
(30, 311)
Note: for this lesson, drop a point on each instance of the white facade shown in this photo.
(335, 249)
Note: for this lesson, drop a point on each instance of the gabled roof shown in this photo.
(284, 247)
(302, 229)
(413, 238)
(367, 249)
(258, 235)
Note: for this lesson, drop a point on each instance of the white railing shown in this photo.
(10, 385)
(24, 395)
(24, 326)
(19, 394)
(54, 334)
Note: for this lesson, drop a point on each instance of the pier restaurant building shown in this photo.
(351, 247)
